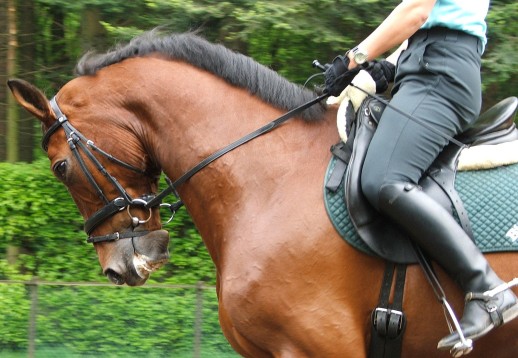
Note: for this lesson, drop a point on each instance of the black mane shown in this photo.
(235, 68)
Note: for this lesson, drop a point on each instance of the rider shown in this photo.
(438, 81)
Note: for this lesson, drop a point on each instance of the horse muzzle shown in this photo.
(137, 258)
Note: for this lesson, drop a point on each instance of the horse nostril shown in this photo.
(114, 277)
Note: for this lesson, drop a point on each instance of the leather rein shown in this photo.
(78, 142)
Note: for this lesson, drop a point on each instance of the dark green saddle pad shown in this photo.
(490, 198)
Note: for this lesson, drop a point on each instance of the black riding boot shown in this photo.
(434, 229)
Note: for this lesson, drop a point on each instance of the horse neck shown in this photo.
(203, 114)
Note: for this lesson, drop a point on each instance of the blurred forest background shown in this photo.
(40, 228)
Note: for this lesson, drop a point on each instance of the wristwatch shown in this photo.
(360, 56)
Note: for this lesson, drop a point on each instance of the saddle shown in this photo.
(384, 238)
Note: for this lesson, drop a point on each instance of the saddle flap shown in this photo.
(381, 235)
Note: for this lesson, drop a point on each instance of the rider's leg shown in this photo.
(438, 234)
(402, 149)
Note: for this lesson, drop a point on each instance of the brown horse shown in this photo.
(287, 284)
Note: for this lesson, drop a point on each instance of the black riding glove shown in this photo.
(338, 76)
(382, 72)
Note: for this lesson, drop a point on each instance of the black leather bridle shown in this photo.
(78, 141)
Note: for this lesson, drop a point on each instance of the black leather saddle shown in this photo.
(385, 238)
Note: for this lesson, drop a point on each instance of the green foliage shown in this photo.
(500, 60)
(117, 319)
(14, 313)
(38, 217)
(286, 36)
(110, 321)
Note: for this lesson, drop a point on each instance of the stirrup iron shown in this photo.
(464, 346)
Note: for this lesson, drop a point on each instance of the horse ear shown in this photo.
(32, 99)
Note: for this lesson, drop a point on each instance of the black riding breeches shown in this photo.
(437, 82)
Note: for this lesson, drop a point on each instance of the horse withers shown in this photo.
(287, 284)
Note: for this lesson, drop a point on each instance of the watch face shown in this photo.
(360, 57)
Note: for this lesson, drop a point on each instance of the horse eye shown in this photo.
(60, 169)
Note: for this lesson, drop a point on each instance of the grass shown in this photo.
(59, 352)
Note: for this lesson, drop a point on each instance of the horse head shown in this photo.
(110, 178)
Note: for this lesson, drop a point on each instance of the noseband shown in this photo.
(78, 142)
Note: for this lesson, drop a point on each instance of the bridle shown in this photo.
(78, 142)
(124, 201)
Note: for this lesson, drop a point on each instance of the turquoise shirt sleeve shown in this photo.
(465, 15)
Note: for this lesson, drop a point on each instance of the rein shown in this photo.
(211, 158)
(78, 141)
(408, 116)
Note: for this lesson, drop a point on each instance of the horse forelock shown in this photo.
(233, 67)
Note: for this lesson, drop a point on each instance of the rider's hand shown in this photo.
(338, 76)
(382, 72)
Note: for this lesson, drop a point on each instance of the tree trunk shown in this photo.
(12, 108)
(92, 32)
(26, 55)
(3, 77)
